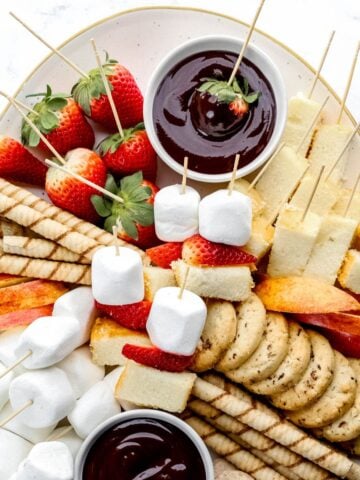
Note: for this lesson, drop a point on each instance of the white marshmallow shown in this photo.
(175, 324)
(47, 461)
(176, 214)
(13, 449)
(71, 440)
(8, 341)
(78, 303)
(94, 407)
(33, 435)
(4, 385)
(112, 378)
(225, 218)
(50, 339)
(51, 394)
(82, 373)
(117, 279)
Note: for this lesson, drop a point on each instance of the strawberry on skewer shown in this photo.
(163, 255)
(156, 358)
(62, 122)
(133, 316)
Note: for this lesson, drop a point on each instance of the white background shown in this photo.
(304, 25)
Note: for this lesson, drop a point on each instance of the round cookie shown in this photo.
(315, 380)
(291, 369)
(251, 324)
(346, 427)
(270, 353)
(336, 400)
(219, 332)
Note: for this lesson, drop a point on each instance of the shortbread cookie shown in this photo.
(291, 369)
(268, 356)
(219, 332)
(336, 400)
(315, 380)
(346, 427)
(251, 324)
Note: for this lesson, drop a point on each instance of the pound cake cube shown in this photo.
(324, 199)
(152, 388)
(349, 276)
(156, 278)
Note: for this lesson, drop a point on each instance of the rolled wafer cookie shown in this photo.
(10, 228)
(278, 454)
(57, 271)
(50, 229)
(231, 451)
(258, 416)
(55, 213)
(40, 248)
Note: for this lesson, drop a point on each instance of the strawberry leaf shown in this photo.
(33, 139)
(100, 206)
(142, 213)
(57, 103)
(49, 120)
(110, 222)
(252, 97)
(129, 226)
(110, 184)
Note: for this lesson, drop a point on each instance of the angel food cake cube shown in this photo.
(324, 199)
(261, 238)
(294, 240)
(349, 276)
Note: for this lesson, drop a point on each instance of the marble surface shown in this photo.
(304, 25)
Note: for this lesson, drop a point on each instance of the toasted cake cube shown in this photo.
(349, 276)
(324, 199)
(108, 339)
(294, 240)
(227, 283)
(149, 387)
(280, 180)
(301, 112)
(156, 278)
(357, 238)
(261, 239)
(334, 240)
(343, 201)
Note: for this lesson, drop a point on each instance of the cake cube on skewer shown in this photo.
(324, 199)
(349, 276)
(261, 238)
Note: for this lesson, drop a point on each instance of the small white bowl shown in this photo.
(144, 413)
(228, 44)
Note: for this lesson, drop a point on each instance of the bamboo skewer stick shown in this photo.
(345, 147)
(184, 177)
(50, 47)
(9, 369)
(347, 210)
(58, 435)
(348, 84)
(265, 167)
(108, 90)
(322, 61)
(16, 413)
(234, 172)
(311, 198)
(246, 42)
(183, 286)
(312, 124)
(116, 240)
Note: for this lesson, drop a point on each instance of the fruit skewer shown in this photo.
(321, 64)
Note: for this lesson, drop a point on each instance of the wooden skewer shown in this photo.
(312, 124)
(265, 167)
(26, 107)
(14, 365)
(233, 177)
(54, 50)
(116, 240)
(345, 147)
(16, 413)
(316, 184)
(352, 196)
(108, 90)
(85, 181)
(246, 42)
(348, 84)
(184, 283)
(57, 435)
(15, 104)
(322, 61)
(184, 177)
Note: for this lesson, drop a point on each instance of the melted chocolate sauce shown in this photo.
(197, 126)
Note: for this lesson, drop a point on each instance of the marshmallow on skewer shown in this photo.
(33, 435)
(117, 279)
(71, 440)
(49, 391)
(176, 213)
(81, 371)
(50, 340)
(94, 407)
(226, 217)
(4, 386)
(78, 303)
(47, 461)
(8, 341)
(13, 449)
(176, 320)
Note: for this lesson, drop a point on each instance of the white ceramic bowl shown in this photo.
(229, 44)
(144, 413)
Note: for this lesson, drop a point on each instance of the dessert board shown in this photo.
(139, 39)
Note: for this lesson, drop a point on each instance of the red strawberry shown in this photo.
(197, 250)
(130, 153)
(135, 215)
(239, 107)
(132, 316)
(90, 94)
(69, 193)
(156, 358)
(18, 164)
(61, 121)
(163, 255)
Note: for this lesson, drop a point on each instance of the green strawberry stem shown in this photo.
(113, 142)
(228, 93)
